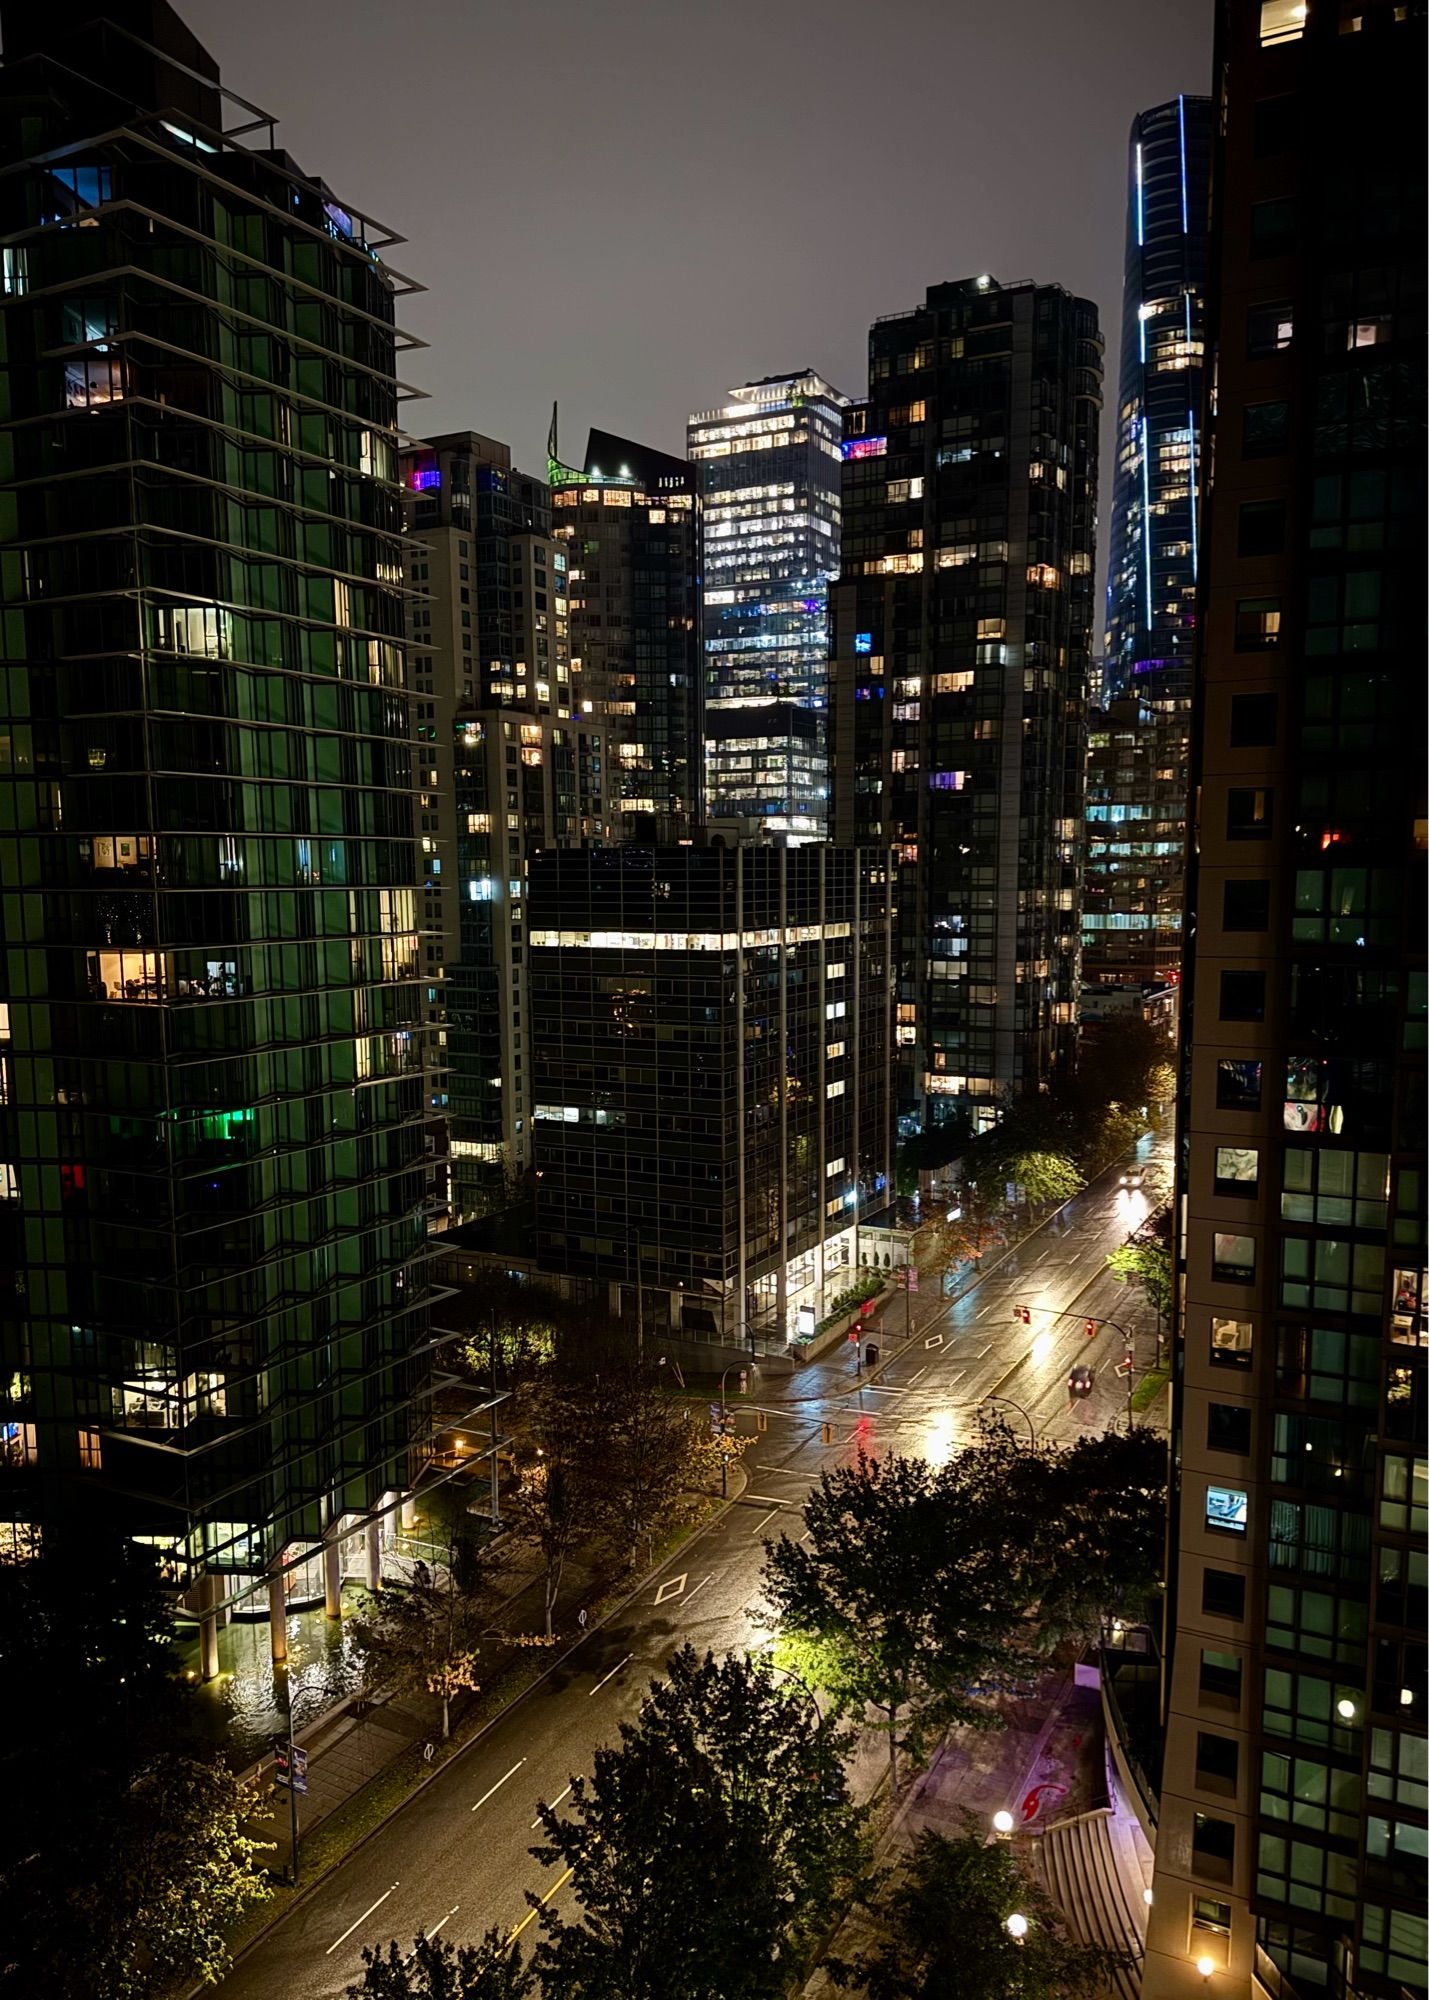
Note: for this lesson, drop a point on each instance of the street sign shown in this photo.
(294, 1773)
(300, 1769)
(912, 1277)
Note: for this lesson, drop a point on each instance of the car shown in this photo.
(1079, 1382)
(1132, 1177)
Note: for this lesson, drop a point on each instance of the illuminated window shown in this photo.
(1281, 21)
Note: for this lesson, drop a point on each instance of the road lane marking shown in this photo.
(550, 1808)
(806, 1538)
(912, 1379)
(934, 1340)
(672, 1586)
(513, 1935)
(764, 1523)
(700, 1586)
(432, 1932)
(766, 1499)
(361, 1920)
(499, 1783)
(613, 1672)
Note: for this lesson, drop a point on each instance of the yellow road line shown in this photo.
(512, 1935)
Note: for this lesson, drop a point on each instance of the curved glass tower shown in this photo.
(1151, 576)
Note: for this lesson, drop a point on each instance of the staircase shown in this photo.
(1088, 1881)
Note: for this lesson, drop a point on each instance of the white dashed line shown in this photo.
(499, 1783)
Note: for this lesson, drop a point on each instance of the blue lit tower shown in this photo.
(770, 466)
(1151, 576)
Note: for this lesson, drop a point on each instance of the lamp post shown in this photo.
(1031, 1426)
(723, 1431)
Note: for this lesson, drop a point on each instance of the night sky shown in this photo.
(633, 206)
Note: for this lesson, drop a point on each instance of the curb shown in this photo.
(310, 1889)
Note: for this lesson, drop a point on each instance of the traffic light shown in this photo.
(1091, 1329)
(827, 1432)
(761, 1420)
(1024, 1313)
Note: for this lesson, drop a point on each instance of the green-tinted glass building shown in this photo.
(211, 1136)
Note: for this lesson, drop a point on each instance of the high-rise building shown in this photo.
(711, 1029)
(507, 762)
(1151, 572)
(212, 1213)
(1291, 1835)
(1133, 863)
(1134, 885)
(962, 637)
(770, 463)
(629, 522)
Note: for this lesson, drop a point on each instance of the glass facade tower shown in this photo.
(1151, 572)
(770, 461)
(212, 1221)
(962, 639)
(1292, 1835)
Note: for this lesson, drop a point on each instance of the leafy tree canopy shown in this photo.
(436, 1970)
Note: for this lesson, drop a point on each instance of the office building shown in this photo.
(770, 464)
(1133, 856)
(507, 762)
(212, 1218)
(629, 523)
(1136, 778)
(1154, 540)
(962, 638)
(1291, 1835)
(710, 1026)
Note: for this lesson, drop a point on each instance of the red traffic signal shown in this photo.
(1091, 1329)
(1024, 1313)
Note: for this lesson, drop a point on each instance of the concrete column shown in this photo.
(409, 1511)
(277, 1618)
(208, 1624)
(332, 1576)
(372, 1535)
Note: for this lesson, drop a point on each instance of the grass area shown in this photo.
(1149, 1388)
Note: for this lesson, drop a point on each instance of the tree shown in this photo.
(424, 1637)
(437, 1970)
(1147, 1265)
(637, 1448)
(885, 1608)
(545, 1510)
(946, 1916)
(1046, 1178)
(707, 1849)
(134, 1849)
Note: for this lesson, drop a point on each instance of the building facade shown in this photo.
(629, 524)
(711, 1028)
(508, 761)
(1133, 854)
(962, 637)
(770, 463)
(212, 1220)
(1154, 539)
(1291, 1839)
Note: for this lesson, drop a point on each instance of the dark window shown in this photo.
(1223, 1593)
(1265, 429)
(1257, 624)
(1237, 1085)
(1253, 720)
(1242, 996)
(1228, 1427)
(1276, 126)
(1250, 813)
(1220, 1673)
(1272, 228)
(1246, 906)
(1262, 528)
(1217, 1759)
(1269, 329)
(1213, 1844)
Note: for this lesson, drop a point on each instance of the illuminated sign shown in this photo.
(426, 478)
(874, 447)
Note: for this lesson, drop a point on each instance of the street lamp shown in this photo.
(1016, 1926)
(1031, 1426)
(743, 1368)
(1003, 1823)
